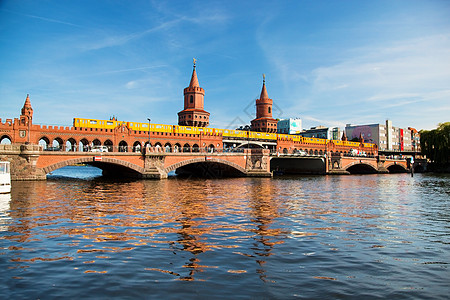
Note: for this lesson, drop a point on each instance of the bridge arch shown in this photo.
(202, 160)
(396, 168)
(5, 139)
(101, 165)
(361, 168)
(251, 144)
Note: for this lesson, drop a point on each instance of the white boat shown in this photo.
(5, 177)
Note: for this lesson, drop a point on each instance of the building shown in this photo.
(387, 137)
(264, 122)
(322, 132)
(193, 113)
(289, 126)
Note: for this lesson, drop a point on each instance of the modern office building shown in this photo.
(322, 132)
(289, 126)
(387, 137)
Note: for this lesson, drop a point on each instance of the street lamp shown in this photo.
(148, 133)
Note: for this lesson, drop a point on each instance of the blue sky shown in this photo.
(327, 62)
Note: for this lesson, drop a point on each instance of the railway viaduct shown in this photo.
(36, 150)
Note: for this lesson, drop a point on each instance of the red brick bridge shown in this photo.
(31, 162)
(27, 146)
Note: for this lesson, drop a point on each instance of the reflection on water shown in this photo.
(311, 237)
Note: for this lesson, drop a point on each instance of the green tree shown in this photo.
(435, 144)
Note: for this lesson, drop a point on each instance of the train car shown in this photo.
(310, 140)
(227, 133)
(95, 123)
(287, 137)
(234, 133)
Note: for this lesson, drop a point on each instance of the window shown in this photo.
(191, 99)
(269, 109)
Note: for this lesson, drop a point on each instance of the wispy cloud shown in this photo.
(43, 18)
(118, 40)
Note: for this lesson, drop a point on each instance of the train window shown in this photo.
(109, 123)
(93, 122)
(144, 125)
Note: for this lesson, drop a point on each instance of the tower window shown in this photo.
(267, 109)
(191, 99)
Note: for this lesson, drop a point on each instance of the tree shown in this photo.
(435, 144)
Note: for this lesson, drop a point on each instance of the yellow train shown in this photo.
(227, 133)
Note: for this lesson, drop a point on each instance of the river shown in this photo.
(79, 236)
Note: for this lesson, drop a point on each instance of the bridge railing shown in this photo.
(157, 149)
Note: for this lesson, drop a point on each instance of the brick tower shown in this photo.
(264, 121)
(193, 113)
(26, 115)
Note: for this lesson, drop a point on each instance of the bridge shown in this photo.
(31, 162)
(36, 150)
(336, 164)
(147, 150)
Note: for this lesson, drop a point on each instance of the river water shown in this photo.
(307, 237)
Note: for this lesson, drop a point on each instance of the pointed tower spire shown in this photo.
(194, 113)
(264, 122)
(26, 115)
(344, 136)
(27, 110)
(194, 80)
(264, 94)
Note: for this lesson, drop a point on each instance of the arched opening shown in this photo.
(109, 144)
(285, 151)
(158, 147)
(57, 144)
(362, 169)
(191, 99)
(320, 152)
(5, 140)
(110, 167)
(71, 145)
(167, 147)
(186, 148)
(137, 147)
(311, 152)
(123, 146)
(83, 145)
(96, 142)
(396, 169)
(211, 148)
(207, 169)
(316, 152)
(195, 148)
(44, 142)
(177, 148)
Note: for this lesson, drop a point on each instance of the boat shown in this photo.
(5, 177)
